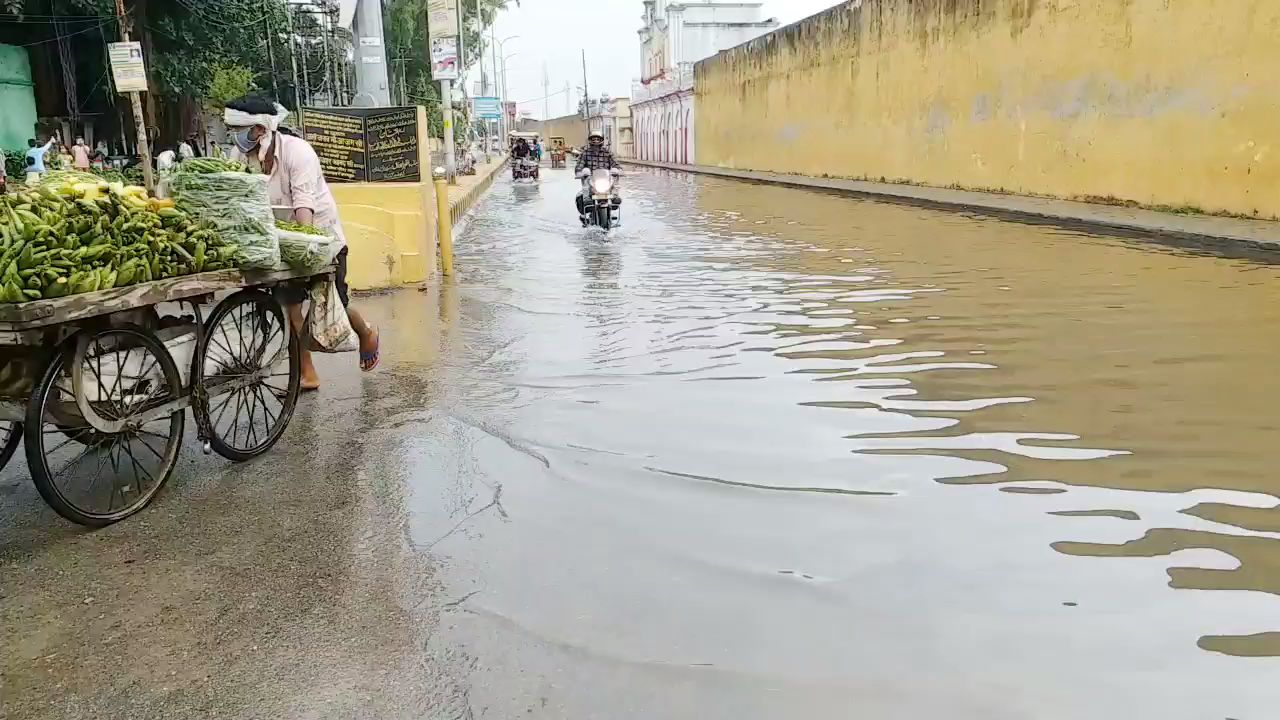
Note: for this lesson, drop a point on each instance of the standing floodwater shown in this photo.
(761, 453)
(772, 453)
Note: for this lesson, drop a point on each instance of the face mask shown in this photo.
(244, 142)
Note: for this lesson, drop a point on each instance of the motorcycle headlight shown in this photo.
(601, 186)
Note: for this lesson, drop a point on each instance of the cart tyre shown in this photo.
(35, 432)
(12, 438)
(206, 407)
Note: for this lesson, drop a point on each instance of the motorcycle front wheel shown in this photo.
(604, 217)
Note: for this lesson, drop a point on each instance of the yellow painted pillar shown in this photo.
(444, 224)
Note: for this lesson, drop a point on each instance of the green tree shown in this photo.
(229, 82)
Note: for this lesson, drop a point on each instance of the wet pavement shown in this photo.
(761, 453)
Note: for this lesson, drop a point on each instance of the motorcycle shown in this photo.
(601, 202)
(524, 169)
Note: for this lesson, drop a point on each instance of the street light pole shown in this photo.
(499, 47)
(506, 89)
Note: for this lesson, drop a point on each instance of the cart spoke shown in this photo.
(147, 445)
(272, 418)
(138, 465)
(116, 387)
(222, 409)
(251, 431)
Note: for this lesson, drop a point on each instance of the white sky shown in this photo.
(553, 33)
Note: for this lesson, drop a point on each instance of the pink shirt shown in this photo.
(81, 154)
(297, 181)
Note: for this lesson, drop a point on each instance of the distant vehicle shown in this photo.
(557, 152)
(523, 169)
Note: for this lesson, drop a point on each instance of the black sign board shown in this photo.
(365, 144)
(392, 141)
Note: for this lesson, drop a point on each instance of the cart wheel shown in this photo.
(12, 435)
(247, 334)
(96, 478)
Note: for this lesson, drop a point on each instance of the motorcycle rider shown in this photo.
(595, 156)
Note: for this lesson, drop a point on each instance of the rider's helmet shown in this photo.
(595, 137)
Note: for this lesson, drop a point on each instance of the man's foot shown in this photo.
(370, 349)
(583, 218)
(310, 381)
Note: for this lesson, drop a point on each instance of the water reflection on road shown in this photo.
(772, 453)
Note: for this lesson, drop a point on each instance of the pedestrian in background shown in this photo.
(80, 155)
(35, 159)
(65, 159)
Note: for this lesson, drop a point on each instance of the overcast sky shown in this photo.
(553, 33)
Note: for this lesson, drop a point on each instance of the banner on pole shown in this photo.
(127, 67)
(444, 58)
(442, 18)
(442, 29)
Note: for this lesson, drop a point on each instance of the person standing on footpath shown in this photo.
(296, 182)
(35, 159)
(80, 156)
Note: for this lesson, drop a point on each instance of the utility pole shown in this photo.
(586, 96)
(502, 106)
(446, 97)
(485, 90)
(546, 94)
(271, 56)
(568, 99)
(293, 58)
(306, 71)
(135, 101)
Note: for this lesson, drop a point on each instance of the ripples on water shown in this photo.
(760, 339)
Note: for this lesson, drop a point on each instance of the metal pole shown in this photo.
(446, 109)
(135, 101)
(328, 67)
(493, 48)
(271, 56)
(586, 96)
(293, 58)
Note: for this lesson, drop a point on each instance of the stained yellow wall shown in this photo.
(390, 229)
(1162, 102)
(570, 127)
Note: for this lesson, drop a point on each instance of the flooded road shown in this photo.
(770, 453)
(761, 453)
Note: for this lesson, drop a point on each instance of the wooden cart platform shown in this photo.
(36, 314)
(96, 386)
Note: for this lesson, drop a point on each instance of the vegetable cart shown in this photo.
(96, 385)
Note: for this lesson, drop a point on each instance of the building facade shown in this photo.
(615, 123)
(676, 35)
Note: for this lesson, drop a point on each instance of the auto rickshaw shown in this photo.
(557, 152)
(523, 169)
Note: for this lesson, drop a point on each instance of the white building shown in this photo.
(674, 37)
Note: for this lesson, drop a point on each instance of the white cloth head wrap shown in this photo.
(240, 119)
